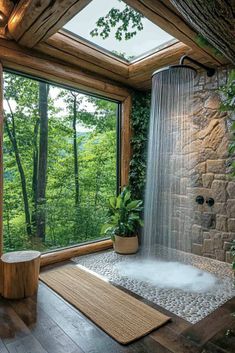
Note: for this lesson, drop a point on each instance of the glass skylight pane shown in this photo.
(144, 41)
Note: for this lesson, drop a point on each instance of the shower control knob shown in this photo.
(200, 200)
(210, 202)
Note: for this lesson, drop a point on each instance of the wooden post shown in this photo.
(1, 173)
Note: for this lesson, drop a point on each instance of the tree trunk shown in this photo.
(12, 136)
(75, 151)
(96, 187)
(42, 161)
(214, 20)
(35, 175)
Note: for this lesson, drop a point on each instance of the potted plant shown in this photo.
(124, 218)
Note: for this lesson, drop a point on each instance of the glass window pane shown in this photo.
(149, 39)
(60, 161)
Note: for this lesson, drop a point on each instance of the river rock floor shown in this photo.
(189, 305)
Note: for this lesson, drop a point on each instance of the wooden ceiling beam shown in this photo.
(33, 21)
(79, 52)
(6, 7)
(89, 58)
(17, 58)
(163, 15)
(166, 56)
(135, 75)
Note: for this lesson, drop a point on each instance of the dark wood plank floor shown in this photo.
(48, 324)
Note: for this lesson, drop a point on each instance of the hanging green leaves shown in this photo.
(139, 120)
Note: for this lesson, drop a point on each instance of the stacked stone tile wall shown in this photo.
(213, 228)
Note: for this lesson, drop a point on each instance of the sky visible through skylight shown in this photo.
(146, 40)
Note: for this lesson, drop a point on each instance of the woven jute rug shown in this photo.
(117, 313)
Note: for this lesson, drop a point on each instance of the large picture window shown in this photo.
(60, 164)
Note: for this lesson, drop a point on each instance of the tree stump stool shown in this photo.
(20, 274)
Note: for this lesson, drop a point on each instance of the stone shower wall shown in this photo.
(213, 228)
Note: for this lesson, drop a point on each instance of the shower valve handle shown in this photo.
(200, 200)
(210, 202)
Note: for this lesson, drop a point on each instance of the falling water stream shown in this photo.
(167, 205)
(169, 196)
(160, 267)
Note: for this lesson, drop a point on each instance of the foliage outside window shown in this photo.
(59, 164)
(127, 23)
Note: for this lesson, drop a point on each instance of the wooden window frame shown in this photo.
(17, 59)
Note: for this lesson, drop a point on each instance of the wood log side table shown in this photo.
(20, 274)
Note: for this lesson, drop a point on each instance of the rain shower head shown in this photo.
(209, 70)
(173, 67)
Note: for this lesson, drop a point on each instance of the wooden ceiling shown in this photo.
(34, 24)
(214, 20)
(34, 21)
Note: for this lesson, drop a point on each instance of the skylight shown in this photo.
(150, 39)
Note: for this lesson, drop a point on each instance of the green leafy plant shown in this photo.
(228, 105)
(124, 216)
(228, 92)
(232, 250)
(140, 116)
(233, 255)
(204, 43)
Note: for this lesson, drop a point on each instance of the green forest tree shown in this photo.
(41, 173)
(24, 97)
(126, 23)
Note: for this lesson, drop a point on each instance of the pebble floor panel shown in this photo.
(190, 305)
